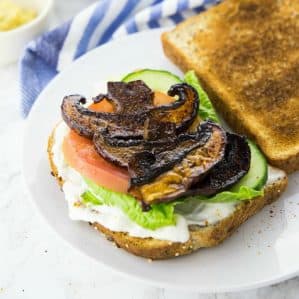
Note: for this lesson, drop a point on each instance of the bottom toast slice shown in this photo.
(200, 237)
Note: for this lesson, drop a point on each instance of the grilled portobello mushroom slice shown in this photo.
(119, 151)
(146, 165)
(234, 165)
(181, 112)
(129, 98)
(133, 103)
(79, 118)
(185, 167)
(86, 122)
(130, 102)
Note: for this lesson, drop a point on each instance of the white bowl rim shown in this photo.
(43, 14)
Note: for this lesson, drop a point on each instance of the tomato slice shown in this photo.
(81, 155)
(103, 106)
(162, 99)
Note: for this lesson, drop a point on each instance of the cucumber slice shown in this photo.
(157, 80)
(257, 175)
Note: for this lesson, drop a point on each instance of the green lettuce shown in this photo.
(191, 203)
(244, 193)
(206, 109)
(158, 216)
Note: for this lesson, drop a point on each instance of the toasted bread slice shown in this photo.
(199, 236)
(246, 55)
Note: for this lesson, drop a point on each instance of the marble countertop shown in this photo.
(34, 262)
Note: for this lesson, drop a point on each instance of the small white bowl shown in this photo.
(12, 42)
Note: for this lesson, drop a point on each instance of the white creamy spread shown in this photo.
(274, 174)
(209, 213)
(114, 219)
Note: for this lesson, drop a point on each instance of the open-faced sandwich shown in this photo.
(149, 164)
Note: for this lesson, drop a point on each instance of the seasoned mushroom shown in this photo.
(181, 112)
(79, 118)
(234, 165)
(119, 151)
(128, 119)
(129, 98)
(146, 165)
(185, 168)
(133, 103)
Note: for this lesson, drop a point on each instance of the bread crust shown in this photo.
(266, 109)
(200, 237)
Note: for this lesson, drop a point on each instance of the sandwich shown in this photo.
(149, 164)
(245, 54)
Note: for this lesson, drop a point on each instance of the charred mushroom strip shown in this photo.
(78, 118)
(120, 151)
(130, 98)
(147, 165)
(133, 104)
(231, 169)
(166, 148)
(181, 112)
(155, 130)
(189, 168)
(86, 122)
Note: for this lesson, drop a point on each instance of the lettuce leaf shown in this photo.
(160, 214)
(192, 203)
(244, 193)
(206, 109)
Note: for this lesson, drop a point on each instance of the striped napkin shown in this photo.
(48, 55)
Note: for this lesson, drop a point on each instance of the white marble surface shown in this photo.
(34, 262)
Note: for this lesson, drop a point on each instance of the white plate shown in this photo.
(263, 251)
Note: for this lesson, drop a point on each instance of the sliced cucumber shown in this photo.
(257, 175)
(157, 80)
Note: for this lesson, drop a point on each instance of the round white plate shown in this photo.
(263, 251)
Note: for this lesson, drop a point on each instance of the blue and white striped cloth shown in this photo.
(105, 20)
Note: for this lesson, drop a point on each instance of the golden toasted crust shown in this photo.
(245, 54)
(199, 236)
